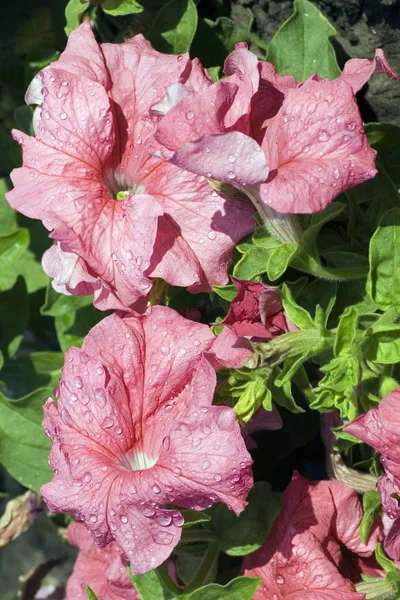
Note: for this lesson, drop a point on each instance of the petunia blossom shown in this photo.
(291, 147)
(379, 428)
(256, 311)
(120, 215)
(102, 569)
(302, 557)
(134, 431)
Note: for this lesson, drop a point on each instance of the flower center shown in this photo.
(135, 460)
(120, 186)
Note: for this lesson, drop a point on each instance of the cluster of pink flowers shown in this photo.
(125, 142)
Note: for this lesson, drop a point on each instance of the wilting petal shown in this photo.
(357, 71)
(134, 429)
(102, 569)
(316, 148)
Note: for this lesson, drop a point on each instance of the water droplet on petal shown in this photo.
(107, 423)
(63, 116)
(73, 397)
(323, 135)
(206, 464)
(100, 370)
(124, 519)
(78, 382)
(93, 518)
(231, 175)
(156, 489)
(87, 477)
(189, 115)
(165, 350)
(211, 235)
(280, 580)
(166, 443)
(231, 158)
(129, 255)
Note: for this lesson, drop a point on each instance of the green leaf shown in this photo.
(346, 332)
(12, 247)
(72, 327)
(238, 536)
(90, 593)
(383, 285)
(241, 588)
(150, 586)
(280, 259)
(57, 304)
(119, 8)
(174, 27)
(26, 373)
(74, 12)
(227, 292)
(338, 388)
(302, 46)
(252, 263)
(382, 344)
(298, 315)
(318, 220)
(386, 139)
(14, 317)
(24, 446)
(371, 507)
(8, 216)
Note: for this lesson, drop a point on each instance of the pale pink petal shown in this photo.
(316, 148)
(174, 94)
(68, 270)
(230, 157)
(134, 429)
(357, 71)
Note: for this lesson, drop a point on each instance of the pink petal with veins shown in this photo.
(94, 140)
(134, 430)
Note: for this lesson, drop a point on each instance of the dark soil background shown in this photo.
(362, 26)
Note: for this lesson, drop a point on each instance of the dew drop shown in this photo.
(129, 255)
(100, 397)
(73, 397)
(165, 350)
(231, 175)
(78, 382)
(107, 423)
(63, 116)
(189, 116)
(211, 235)
(206, 465)
(336, 173)
(87, 477)
(164, 520)
(323, 135)
(231, 158)
(124, 519)
(280, 580)
(156, 489)
(93, 518)
(166, 443)
(132, 489)
(318, 578)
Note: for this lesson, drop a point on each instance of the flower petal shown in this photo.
(316, 148)
(357, 71)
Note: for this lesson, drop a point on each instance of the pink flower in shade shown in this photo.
(134, 430)
(256, 310)
(301, 559)
(292, 147)
(102, 569)
(380, 428)
(118, 214)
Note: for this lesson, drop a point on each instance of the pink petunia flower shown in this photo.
(256, 311)
(134, 431)
(291, 147)
(102, 569)
(118, 214)
(303, 555)
(379, 428)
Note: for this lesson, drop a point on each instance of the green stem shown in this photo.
(377, 589)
